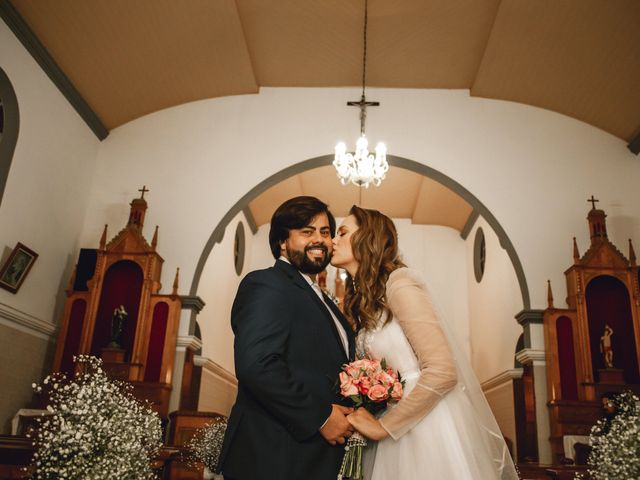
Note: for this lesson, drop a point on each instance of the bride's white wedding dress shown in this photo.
(442, 428)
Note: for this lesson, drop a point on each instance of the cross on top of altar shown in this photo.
(144, 189)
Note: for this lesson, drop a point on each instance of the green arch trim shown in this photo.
(11, 128)
(505, 242)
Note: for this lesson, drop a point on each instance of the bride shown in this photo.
(442, 428)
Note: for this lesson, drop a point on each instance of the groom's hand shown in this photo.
(337, 428)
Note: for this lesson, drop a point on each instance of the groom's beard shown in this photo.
(303, 263)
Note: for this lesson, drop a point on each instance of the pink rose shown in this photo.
(385, 379)
(374, 365)
(352, 371)
(364, 385)
(347, 388)
(360, 364)
(377, 393)
(397, 391)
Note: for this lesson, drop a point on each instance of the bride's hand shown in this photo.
(367, 424)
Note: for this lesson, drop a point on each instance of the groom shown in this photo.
(290, 342)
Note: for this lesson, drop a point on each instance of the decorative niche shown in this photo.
(239, 248)
(479, 254)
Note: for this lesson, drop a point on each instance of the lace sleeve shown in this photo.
(412, 308)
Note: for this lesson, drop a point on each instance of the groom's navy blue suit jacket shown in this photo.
(287, 357)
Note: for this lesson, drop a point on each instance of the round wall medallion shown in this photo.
(479, 254)
(239, 248)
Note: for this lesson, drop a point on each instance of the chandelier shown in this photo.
(362, 168)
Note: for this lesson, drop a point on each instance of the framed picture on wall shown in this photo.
(16, 268)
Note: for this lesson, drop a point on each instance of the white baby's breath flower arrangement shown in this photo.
(97, 429)
(615, 451)
(206, 444)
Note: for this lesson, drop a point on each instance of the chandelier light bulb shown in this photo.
(362, 144)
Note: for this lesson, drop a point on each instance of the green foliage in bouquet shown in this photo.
(205, 446)
(615, 444)
(97, 428)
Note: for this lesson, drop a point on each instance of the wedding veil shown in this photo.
(491, 441)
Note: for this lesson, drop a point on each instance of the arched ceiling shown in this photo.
(402, 194)
(130, 58)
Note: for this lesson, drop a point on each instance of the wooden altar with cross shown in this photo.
(593, 345)
(114, 310)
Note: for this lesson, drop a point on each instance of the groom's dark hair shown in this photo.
(296, 213)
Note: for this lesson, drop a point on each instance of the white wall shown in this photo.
(49, 182)
(43, 207)
(492, 305)
(493, 330)
(439, 253)
(218, 289)
(261, 256)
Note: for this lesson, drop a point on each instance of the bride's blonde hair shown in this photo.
(375, 248)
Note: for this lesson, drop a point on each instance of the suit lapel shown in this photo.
(296, 278)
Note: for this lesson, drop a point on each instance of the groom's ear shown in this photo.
(283, 247)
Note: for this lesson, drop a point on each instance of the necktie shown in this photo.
(341, 332)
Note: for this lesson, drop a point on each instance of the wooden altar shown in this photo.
(584, 362)
(114, 310)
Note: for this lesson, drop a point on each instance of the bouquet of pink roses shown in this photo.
(371, 385)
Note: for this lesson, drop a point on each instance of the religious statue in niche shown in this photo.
(117, 324)
(605, 346)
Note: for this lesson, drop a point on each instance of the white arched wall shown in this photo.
(46, 193)
(492, 304)
(43, 206)
(439, 254)
(219, 283)
(493, 330)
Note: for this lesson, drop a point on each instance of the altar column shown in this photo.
(191, 306)
(533, 354)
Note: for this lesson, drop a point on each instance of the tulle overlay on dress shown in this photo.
(441, 446)
(442, 429)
